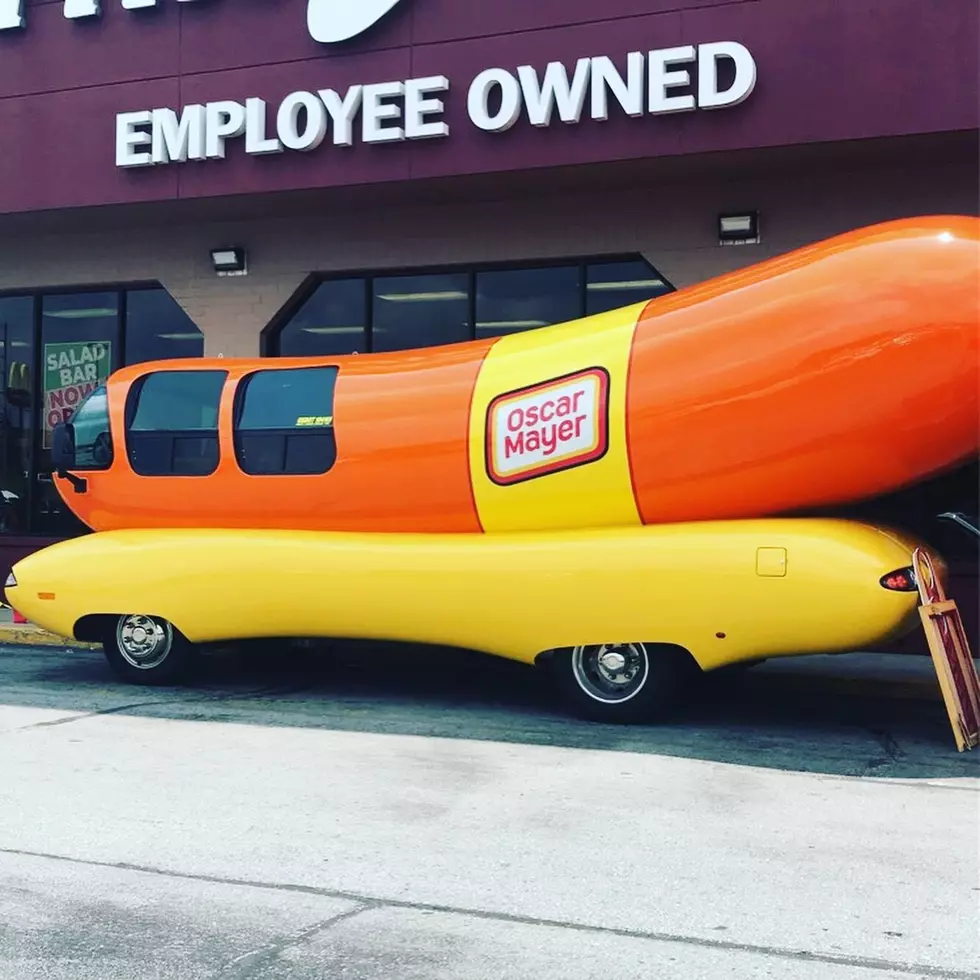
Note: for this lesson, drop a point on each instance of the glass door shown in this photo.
(80, 348)
(16, 412)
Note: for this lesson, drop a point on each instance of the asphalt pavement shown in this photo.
(372, 813)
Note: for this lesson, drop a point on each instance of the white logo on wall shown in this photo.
(654, 83)
(329, 21)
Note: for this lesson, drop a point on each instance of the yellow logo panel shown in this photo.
(548, 428)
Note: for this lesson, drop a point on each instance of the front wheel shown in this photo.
(622, 683)
(146, 650)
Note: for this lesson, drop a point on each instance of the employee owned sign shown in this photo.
(71, 371)
(644, 82)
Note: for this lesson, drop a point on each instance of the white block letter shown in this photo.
(178, 141)
(556, 89)
(11, 14)
(661, 79)
(745, 74)
(76, 9)
(606, 78)
(256, 142)
(342, 112)
(130, 134)
(478, 100)
(417, 107)
(225, 120)
(375, 112)
(287, 121)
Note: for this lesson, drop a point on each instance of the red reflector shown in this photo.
(901, 580)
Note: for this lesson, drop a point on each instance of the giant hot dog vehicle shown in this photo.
(622, 497)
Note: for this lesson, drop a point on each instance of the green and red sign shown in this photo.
(71, 371)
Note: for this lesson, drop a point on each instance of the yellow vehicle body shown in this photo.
(725, 591)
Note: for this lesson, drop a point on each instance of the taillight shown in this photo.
(901, 580)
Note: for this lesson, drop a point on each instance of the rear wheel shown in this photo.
(622, 683)
(146, 650)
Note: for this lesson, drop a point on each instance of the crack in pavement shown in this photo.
(893, 752)
(367, 902)
(242, 967)
(216, 697)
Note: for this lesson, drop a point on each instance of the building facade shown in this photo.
(402, 173)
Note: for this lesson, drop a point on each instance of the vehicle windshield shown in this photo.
(93, 443)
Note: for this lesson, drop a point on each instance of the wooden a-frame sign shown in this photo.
(950, 651)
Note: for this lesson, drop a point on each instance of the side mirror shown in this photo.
(63, 455)
(63, 448)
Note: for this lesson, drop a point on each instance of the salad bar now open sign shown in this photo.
(71, 371)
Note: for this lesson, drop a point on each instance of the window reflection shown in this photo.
(421, 311)
(178, 401)
(16, 430)
(513, 300)
(610, 285)
(332, 321)
(80, 348)
(93, 440)
(172, 423)
(157, 328)
(82, 337)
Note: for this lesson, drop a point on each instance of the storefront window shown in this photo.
(512, 300)
(610, 285)
(332, 321)
(16, 431)
(57, 349)
(376, 312)
(420, 311)
(158, 329)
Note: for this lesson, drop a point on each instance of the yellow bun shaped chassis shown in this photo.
(621, 615)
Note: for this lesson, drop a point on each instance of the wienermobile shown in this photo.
(623, 498)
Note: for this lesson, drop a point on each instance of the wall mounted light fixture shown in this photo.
(738, 228)
(230, 261)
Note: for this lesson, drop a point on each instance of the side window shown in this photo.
(93, 443)
(284, 422)
(172, 423)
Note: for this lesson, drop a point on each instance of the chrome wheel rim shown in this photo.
(612, 672)
(144, 642)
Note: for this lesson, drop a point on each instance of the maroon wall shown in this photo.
(827, 70)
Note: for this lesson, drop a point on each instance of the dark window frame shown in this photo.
(286, 434)
(173, 435)
(38, 475)
(269, 338)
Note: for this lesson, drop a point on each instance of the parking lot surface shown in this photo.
(373, 813)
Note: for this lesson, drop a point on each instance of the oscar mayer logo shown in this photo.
(548, 427)
(328, 21)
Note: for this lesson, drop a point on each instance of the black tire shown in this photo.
(167, 663)
(664, 675)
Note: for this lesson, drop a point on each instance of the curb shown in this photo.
(28, 635)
